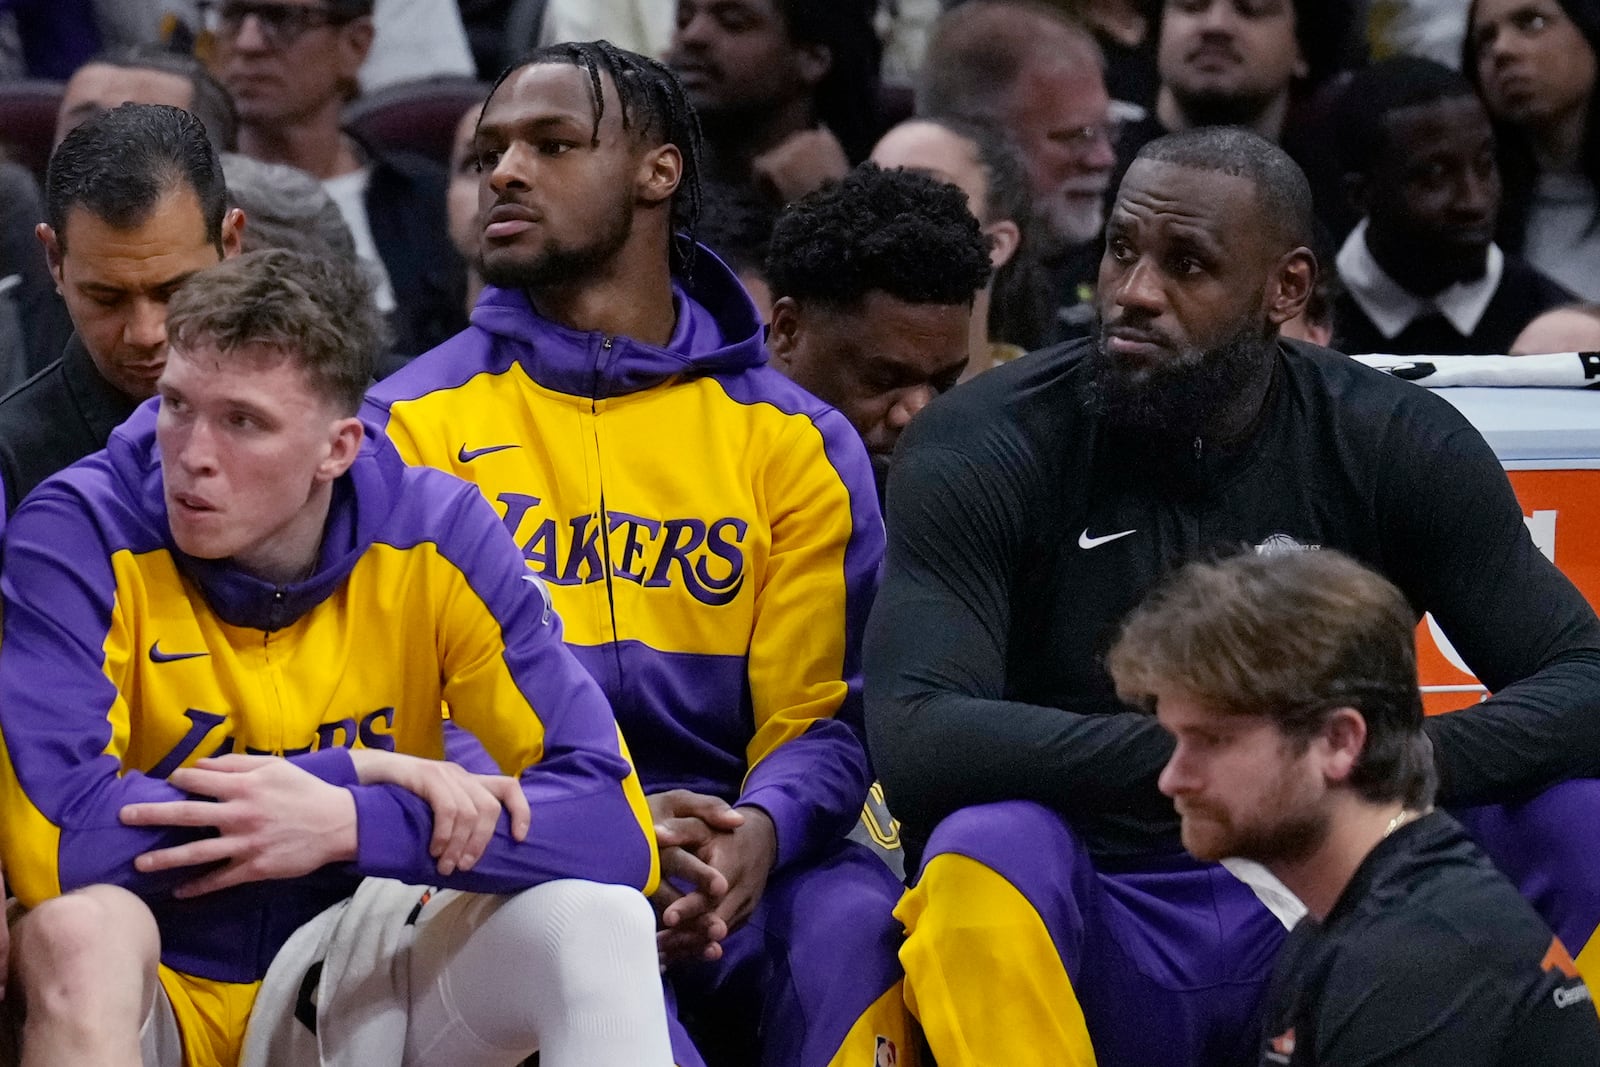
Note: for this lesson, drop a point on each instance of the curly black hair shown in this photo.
(895, 231)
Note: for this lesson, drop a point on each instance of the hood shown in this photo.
(362, 499)
(718, 332)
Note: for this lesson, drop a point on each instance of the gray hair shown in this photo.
(286, 208)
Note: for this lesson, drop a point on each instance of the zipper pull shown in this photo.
(1199, 448)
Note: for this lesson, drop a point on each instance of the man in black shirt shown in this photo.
(1029, 510)
(1288, 683)
(136, 204)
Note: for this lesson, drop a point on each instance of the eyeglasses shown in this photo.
(1080, 139)
(281, 24)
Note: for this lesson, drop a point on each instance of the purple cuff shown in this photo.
(796, 823)
(332, 765)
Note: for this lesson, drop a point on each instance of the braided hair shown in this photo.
(653, 106)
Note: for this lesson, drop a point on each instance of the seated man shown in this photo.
(220, 635)
(709, 533)
(1055, 919)
(1421, 272)
(1010, 314)
(1289, 684)
(136, 204)
(874, 279)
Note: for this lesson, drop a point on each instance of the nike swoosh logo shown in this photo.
(467, 455)
(1085, 541)
(158, 656)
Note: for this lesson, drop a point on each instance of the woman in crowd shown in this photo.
(1534, 63)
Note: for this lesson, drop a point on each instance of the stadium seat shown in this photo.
(415, 116)
(28, 121)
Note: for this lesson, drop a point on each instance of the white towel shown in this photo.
(1558, 370)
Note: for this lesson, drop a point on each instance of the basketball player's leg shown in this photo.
(567, 968)
(85, 967)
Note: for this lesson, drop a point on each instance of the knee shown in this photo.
(570, 925)
(75, 947)
(1008, 836)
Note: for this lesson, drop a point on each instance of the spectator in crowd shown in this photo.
(292, 66)
(1012, 312)
(1534, 61)
(135, 206)
(462, 202)
(1568, 328)
(287, 208)
(875, 280)
(1225, 63)
(786, 90)
(1421, 272)
(148, 75)
(1250, 63)
(249, 518)
(1030, 70)
(40, 316)
(1032, 507)
(1288, 683)
(708, 532)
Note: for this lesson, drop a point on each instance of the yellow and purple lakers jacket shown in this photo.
(708, 530)
(122, 659)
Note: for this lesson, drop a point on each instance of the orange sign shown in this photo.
(1562, 510)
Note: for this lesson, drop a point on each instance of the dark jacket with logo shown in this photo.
(1430, 958)
(709, 532)
(1022, 530)
(54, 419)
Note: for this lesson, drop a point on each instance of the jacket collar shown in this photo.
(717, 331)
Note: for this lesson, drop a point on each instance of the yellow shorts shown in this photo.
(211, 1016)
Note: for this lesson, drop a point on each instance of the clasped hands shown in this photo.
(275, 820)
(715, 861)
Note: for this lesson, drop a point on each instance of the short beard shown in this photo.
(554, 266)
(1214, 108)
(1180, 397)
(1289, 840)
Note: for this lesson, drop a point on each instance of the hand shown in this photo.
(466, 806)
(684, 822)
(801, 162)
(687, 819)
(746, 858)
(273, 820)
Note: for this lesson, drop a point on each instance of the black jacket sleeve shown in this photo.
(1461, 550)
(941, 732)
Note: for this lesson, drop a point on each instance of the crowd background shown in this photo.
(1467, 247)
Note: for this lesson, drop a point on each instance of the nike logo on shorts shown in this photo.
(467, 455)
(1085, 541)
